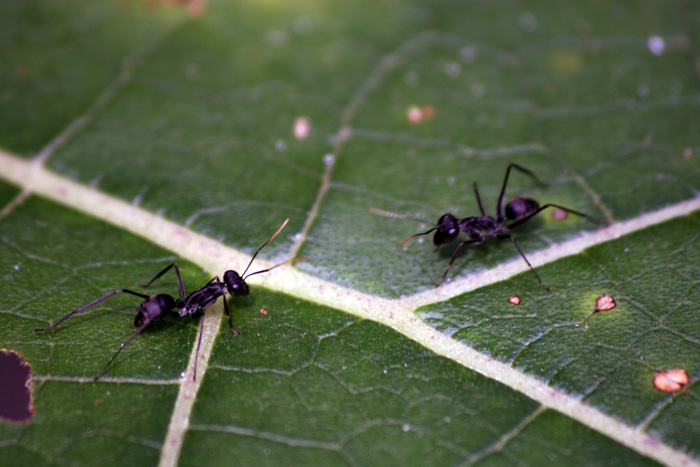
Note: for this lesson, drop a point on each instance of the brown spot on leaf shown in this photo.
(559, 214)
(671, 380)
(514, 299)
(16, 388)
(417, 115)
(605, 303)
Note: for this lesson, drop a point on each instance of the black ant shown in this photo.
(518, 211)
(157, 306)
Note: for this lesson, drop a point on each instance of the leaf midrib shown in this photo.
(395, 313)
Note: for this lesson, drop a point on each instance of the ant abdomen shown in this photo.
(520, 207)
(153, 309)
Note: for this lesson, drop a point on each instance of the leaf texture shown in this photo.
(138, 134)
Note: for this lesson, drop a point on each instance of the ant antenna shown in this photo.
(395, 215)
(417, 235)
(263, 245)
(288, 261)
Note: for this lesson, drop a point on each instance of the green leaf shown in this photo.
(136, 134)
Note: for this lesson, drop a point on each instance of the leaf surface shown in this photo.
(136, 135)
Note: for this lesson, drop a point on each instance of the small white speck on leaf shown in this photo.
(453, 69)
(302, 128)
(527, 22)
(656, 45)
(467, 54)
(414, 114)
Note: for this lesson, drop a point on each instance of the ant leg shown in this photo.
(501, 237)
(92, 303)
(499, 206)
(179, 279)
(213, 279)
(138, 331)
(230, 321)
(478, 200)
(199, 343)
(520, 222)
(167, 268)
(474, 241)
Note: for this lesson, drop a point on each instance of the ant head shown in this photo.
(235, 284)
(153, 309)
(447, 230)
(520, 207)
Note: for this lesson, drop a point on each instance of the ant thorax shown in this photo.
(473, 226)
(202, 298)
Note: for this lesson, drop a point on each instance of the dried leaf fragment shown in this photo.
(671, 380)
(16, 389)
(605, 303)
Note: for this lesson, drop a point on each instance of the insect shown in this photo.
(155, 307)
(233, 283)
(517, 212)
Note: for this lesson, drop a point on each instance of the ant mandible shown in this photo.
(157, 306)
(517, 211)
